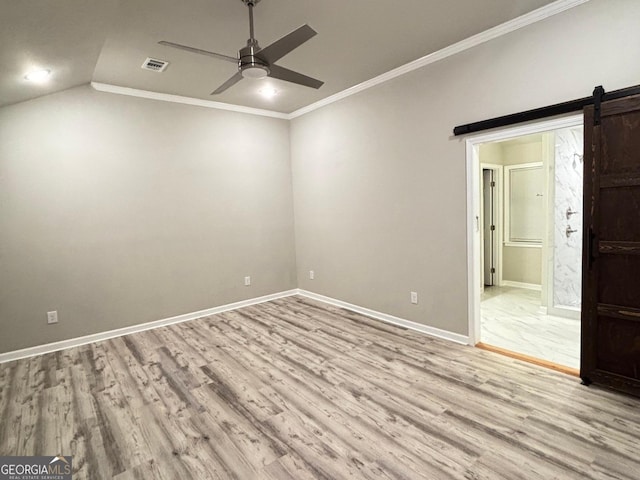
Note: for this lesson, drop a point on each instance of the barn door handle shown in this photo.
(591, 239)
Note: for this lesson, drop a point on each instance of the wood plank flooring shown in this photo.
(297, 389)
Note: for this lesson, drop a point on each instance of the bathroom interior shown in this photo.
(531, 207)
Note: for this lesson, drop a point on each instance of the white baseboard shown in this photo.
(574, 313)
(98, 337)
(432, 331)
(529, 286)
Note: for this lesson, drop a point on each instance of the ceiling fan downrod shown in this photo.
(250, 4)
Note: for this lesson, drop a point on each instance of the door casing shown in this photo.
(474, 230)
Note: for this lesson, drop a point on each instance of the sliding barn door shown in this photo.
(611, 270)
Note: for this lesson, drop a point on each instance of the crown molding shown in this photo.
(522, 21)
(165, 97)
(512, 25)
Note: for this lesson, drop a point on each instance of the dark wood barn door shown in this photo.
(611, 271)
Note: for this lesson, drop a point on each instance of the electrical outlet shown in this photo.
(247, 281)
(414, 298)
(312, 274)
(52, 317)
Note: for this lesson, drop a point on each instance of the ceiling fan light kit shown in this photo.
(254, 72)
(254, 62)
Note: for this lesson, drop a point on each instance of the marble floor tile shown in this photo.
(511, 319)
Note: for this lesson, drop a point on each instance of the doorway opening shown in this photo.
(525, 247)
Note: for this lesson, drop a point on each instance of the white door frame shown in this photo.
(472, 144)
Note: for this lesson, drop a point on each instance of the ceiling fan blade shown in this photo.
(199, 51)
(293, 77)
(229, 83)
(286, 44)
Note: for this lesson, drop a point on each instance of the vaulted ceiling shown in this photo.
(106, 41)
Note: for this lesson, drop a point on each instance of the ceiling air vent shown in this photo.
(155, 65)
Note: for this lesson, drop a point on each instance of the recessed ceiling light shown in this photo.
(37, 76)
(268, 92)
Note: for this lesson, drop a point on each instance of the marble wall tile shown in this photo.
(568, 189)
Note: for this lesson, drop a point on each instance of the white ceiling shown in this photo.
(107, 41)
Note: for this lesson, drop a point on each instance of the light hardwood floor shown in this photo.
(296, 389)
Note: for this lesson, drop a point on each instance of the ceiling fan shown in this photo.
(256, 62)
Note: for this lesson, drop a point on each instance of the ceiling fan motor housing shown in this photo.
(250, 65)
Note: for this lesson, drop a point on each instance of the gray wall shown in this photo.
(116, 211)
(522, 265)
(380, 183)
